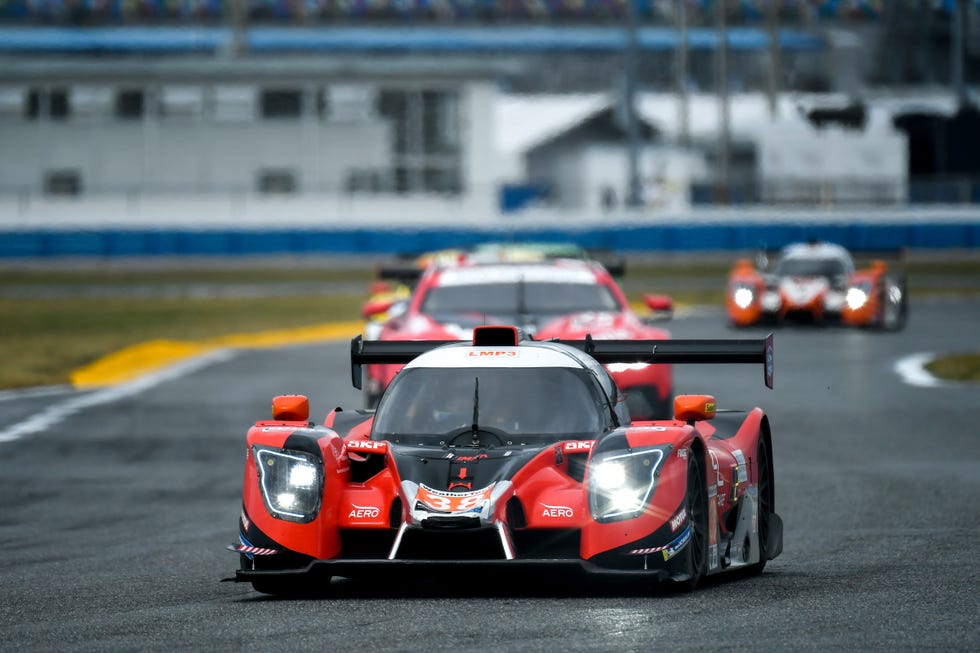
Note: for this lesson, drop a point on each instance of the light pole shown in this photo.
(633, 194)
(772, 27)
(683, 108)
(721, 81)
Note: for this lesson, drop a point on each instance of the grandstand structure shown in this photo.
(368, 108)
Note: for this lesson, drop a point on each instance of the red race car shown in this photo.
(817, 283)
(505, 455)
(548, 298)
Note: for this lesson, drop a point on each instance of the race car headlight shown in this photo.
(856, 297)
(621, 484)
(743, 296)
(291, 483)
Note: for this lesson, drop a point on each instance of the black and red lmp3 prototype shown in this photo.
(504, 454)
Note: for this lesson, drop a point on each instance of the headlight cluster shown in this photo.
(291, 483)
(620, 484)
(857, 295)
(743, 295)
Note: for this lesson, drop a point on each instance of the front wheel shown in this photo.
(697, 510)
(894, 305)
(767, 495)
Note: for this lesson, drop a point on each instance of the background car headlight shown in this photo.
(856, 298)
(621, 484)
(291, 483)
(743, 296)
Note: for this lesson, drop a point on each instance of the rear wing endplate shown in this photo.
(720, 351)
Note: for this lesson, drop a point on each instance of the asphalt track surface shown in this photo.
(115, 510)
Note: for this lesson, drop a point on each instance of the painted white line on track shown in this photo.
(913, 370)
(56, 413)
(37, 391)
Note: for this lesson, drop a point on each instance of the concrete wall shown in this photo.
(187, 155)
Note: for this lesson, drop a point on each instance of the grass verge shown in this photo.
(43, 340)
(956, 367)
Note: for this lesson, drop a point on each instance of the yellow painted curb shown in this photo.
(137, 360)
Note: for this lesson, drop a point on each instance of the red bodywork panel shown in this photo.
(552, 498)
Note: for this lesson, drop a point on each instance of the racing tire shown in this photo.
(766, 495)
(697, 510)
(893, 313)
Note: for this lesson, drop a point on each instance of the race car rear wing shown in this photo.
(717, 351)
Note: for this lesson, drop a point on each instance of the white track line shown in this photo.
(56, 413)
(37, 391)
(913, 371)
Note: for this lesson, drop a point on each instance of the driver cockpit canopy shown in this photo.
(523, 405)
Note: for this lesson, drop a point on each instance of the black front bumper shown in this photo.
(495, 569)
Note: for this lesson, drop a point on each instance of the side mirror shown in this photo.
(694, 408)
(291, 408)
(375, 307)
(661, 307)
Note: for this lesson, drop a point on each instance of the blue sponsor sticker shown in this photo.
(679, 543)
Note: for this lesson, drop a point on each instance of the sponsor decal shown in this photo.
(740, 457)
(363, 512)
(367, 446)
(675, 547)
(557, 511)
(682, 453)
(678, 519)
(453, 502)
(709, 406)
(668, 550)
(577, 446)
(469, 459)
(245, 522)
(255, 550)
(483, 353)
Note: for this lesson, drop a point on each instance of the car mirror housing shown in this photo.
(661, 305)
(694, 408)
(291, 408)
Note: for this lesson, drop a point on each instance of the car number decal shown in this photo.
(453, 502)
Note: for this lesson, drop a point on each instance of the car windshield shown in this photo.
(519, 405)
(811, 267)
(511, 299)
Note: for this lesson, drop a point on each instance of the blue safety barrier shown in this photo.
(702, 237)
(264, 40)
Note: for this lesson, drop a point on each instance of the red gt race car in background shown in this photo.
(817, 283)
(504, 456)
(549, 298)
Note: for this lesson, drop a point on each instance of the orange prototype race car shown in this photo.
(505, 456)
(816, 283)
